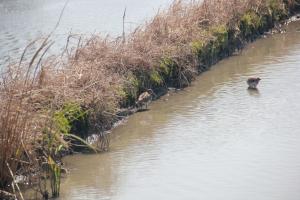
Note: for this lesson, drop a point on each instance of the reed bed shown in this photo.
(49, 105)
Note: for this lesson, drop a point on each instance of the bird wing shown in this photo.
(143, 96)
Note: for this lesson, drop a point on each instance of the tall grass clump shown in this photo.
(49, 105)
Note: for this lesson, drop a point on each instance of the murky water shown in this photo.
(215, 140)
(22, 21)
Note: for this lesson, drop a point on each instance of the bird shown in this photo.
(253, 82)
(144, 99)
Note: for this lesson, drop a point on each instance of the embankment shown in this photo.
(48, 105)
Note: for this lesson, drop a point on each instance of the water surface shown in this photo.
(215, 140)
(22, 21)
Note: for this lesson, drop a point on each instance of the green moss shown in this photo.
(277, 9)
(170, 72)
(216, 47)
(221, 39)
(121, 92)
(166, 66)
(251, 23)
(156, 78)
(197, 47)
(201, 50)
(129, 91)
(221, 34)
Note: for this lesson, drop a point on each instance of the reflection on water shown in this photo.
(22, 21)
(253, 92)
(215, 140)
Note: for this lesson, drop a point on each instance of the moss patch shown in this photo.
(277, 9)
(250, 24)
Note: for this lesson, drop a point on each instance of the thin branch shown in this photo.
(14, 181)
(124, 15)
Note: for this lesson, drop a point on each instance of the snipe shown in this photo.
(253, 82)
(144, 99)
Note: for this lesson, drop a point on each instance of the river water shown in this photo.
(22, 21)
(215, 140)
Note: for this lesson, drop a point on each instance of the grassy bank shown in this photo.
(49, 104)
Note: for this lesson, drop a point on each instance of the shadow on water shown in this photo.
(143, 110)
(253, 92)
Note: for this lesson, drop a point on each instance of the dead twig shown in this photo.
(14, 182)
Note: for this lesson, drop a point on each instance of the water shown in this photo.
(215, 140)
(22, 21)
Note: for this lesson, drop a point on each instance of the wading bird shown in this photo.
(144, 99)
(253, 82)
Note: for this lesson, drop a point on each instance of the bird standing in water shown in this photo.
(253, 82)
(144, 99)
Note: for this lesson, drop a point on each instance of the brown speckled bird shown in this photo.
(144, 99)
(253, 82)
